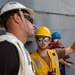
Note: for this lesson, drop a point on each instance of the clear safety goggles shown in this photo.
(55, 40)
(46, 39)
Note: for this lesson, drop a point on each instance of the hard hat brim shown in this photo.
(31, 12)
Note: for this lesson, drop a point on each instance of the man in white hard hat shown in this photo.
(18, 22)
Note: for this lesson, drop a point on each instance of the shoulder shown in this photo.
(7, 49)
(34, 55)
(51, 51)
(9, 59)
(6, 46)
(61, 52)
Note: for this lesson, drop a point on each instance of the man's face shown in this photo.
(29, 24)
(43, 42)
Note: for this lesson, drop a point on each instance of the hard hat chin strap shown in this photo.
(22, 16)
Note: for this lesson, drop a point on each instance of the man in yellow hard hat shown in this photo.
(18, 22)
(46, 61)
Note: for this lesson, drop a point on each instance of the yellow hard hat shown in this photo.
(43, 31)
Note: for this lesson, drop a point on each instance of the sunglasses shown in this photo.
(46, 39)
(29, 18)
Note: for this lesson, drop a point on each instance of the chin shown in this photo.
(31, 35)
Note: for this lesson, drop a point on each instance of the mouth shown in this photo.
(42, 45)
(33, 30)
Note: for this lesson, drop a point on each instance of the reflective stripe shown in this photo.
(27, 55)
(28, 58)
(37, 63)
(55, 59)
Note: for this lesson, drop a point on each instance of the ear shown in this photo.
(16, 18)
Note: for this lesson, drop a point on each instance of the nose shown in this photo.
(43, 40)
(33, 25)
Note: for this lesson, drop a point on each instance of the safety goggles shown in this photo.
(55, 40)
(29, 18)
(46, 39)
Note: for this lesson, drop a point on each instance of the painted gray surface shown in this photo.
(2, 2)
(57, 15)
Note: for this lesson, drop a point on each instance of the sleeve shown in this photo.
(61, 53)
(9, 59)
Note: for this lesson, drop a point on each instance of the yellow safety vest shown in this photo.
(40, 66)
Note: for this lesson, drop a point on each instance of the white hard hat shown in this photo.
(13, 5)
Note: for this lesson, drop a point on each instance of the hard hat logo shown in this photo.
(13, 5)
(12, 2)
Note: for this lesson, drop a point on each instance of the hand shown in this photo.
(66, 63)
(69, 65)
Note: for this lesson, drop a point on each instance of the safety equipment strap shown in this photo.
(21, 14)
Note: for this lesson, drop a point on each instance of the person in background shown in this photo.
(56, 43)
(46, 61)
(18, 22)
